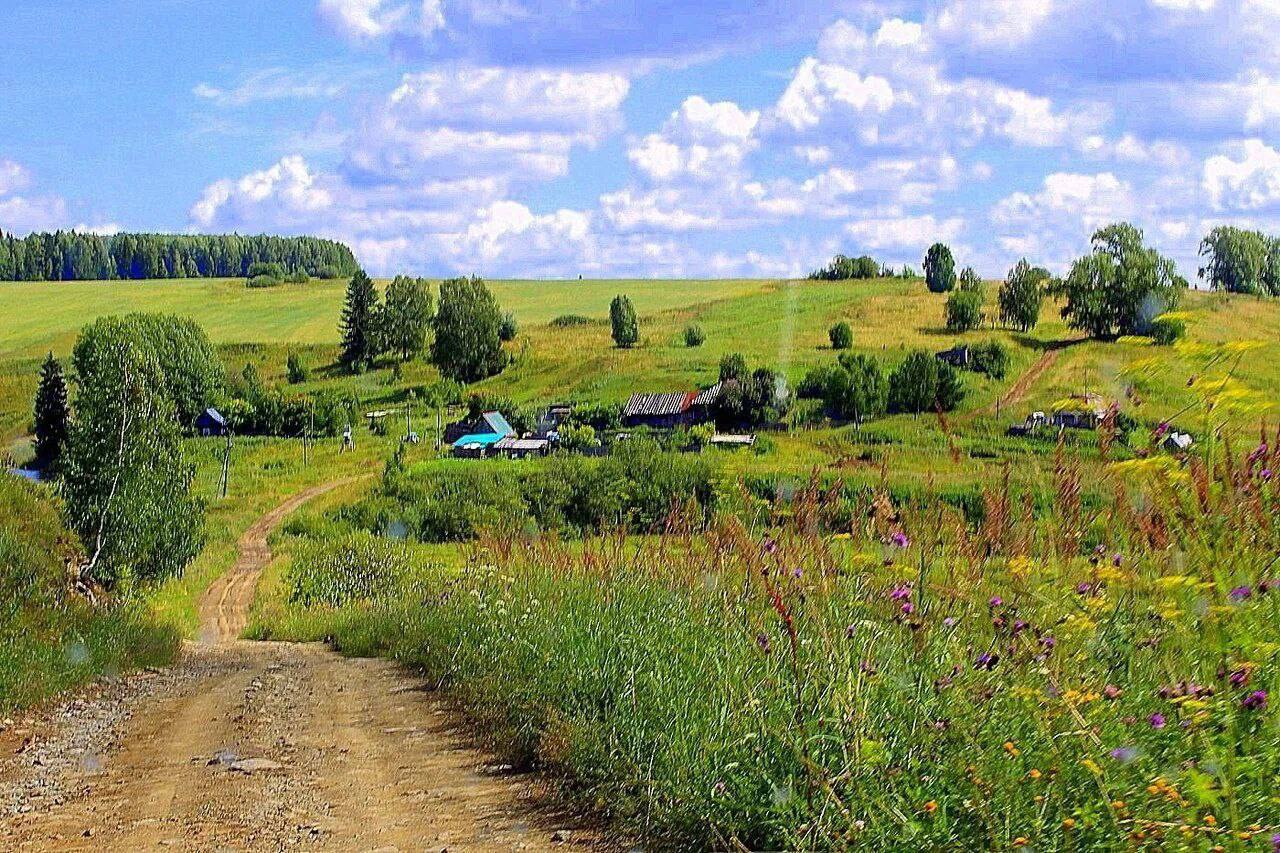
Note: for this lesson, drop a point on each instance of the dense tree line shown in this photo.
(845, 268)
(73, 256)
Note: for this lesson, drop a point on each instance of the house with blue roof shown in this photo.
(486, 431)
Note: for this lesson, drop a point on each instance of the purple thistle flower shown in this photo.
(1020, 625)
(850, 631)
(1112, 692)
(950, 621)
(797, 573)
(1161, 429)
(908, 608)
(1048, 641)
(1240, 593)
(762, 641)
(995, 601)
(770, 546)
(1267, 474)
(986, 661)
(1117, 559)
(1239, 677)
(900, 539)
(1124, 754)
(1156, 720)
(901, 592)
(1255, 701)
(1275, 842)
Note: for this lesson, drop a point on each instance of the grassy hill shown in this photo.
(776, 323)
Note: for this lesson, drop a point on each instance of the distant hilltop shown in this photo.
(75, 256)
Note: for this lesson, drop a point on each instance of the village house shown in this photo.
(959, 356)
(210, 422)
(670, 410)
(489, 429)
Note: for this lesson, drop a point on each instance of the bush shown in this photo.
(569, 321)
(357, 567)
(271, 270)
(694, 336)
(1166, 331)
(814, 384)
(841, 335)
(261, 282)
(733, 366)
(964, 311)
(578, 437)
(297, 370)
(508, 328)
(625, 325)
(328, 273)
(922, 383)
(991, 359)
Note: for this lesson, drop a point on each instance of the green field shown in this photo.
(774, 323)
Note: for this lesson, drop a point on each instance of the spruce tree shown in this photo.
(359, 315)
(50, 414)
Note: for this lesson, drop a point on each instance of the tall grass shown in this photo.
(52, 638)
(1095, 678)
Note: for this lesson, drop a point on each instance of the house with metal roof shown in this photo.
(491, 428)
(670, 410)
(210, 422)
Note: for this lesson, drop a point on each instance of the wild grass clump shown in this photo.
(52, 637)
(1094, 679)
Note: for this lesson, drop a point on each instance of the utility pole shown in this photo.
(306, 433)
(226, 464)
(408, 417)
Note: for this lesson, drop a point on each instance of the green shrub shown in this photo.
(694, 336)
(1166, 331)
(262, 281)
(964, 311)
(991, 359)
(296, 369)
(355, 567)
(508, 328)
(841, 335)
(568, 321)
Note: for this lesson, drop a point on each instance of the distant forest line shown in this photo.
(73, 256)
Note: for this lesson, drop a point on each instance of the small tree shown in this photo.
(841, 335)
(127, 481)
(970, 282)
(622, 317)
(1236, 260)
(939, 269)
(405, 317)
(1021, 296)
(51, 415)
(694, 336)
(856, 389)
(950, 390)
(467, 345)
(964, 311)
(359, 323)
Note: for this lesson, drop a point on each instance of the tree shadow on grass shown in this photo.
(1041, 345)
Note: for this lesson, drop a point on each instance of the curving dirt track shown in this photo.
(263, 746)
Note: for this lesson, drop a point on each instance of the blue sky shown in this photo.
(658, 138)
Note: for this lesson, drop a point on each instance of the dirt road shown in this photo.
(263, 746)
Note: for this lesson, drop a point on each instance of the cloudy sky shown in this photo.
(652, 138)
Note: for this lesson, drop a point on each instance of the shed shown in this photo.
(519, 448)
(1178, 442)
(1081, 411)
(210, 422)
(732, 441)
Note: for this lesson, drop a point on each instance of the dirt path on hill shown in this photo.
(263, 746)
(1024, 383)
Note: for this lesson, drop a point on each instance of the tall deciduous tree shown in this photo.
(51, 415)
(1121, 286)
(406, 316)
(1238, 261)
(856, 389)
(127, 481)
(1021, 296)
(939, 269)
(922, 383)
(622, 317)
(467, 347)
(359, 323)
